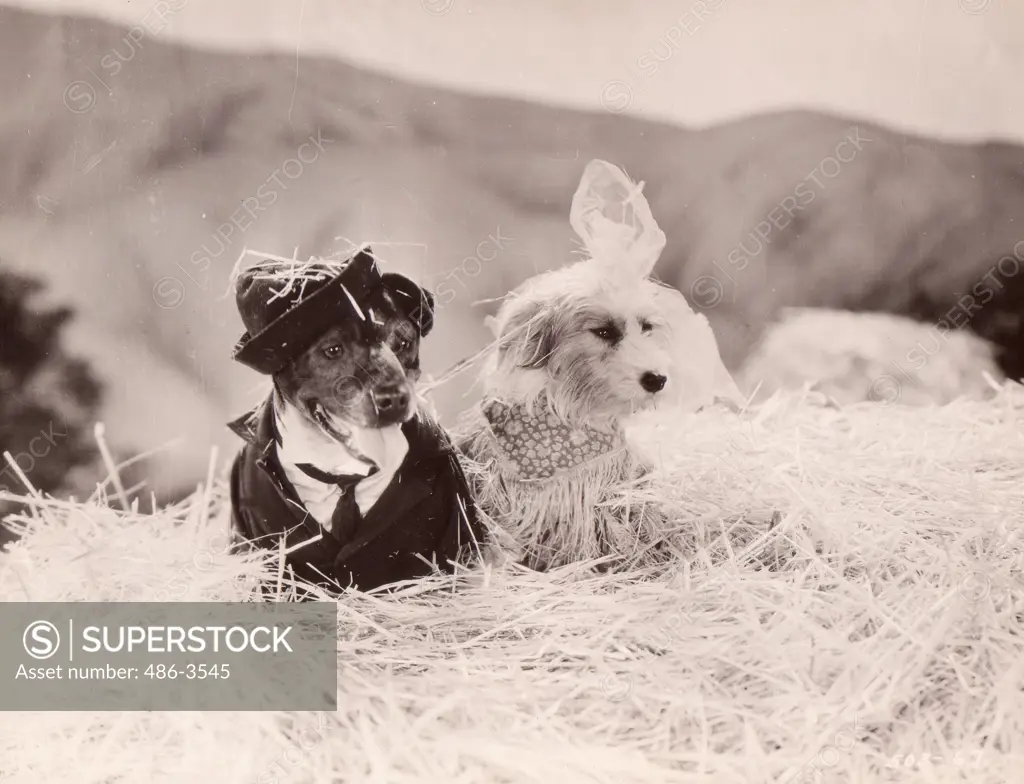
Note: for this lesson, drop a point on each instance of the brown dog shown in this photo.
(338, 459)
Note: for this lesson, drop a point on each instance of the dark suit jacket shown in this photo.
(425, 511)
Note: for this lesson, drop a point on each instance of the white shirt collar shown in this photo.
(303, 442)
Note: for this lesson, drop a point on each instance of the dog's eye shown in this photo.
(332, 352)
(402, 344)
(646, 326)
(606, 333)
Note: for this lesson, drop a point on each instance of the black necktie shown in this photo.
(345, 519)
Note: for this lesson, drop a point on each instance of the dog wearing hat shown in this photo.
(338, 458)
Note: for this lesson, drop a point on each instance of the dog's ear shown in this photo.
(415, 302)
(699, 374)
(529, 335)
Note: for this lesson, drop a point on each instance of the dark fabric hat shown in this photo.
(283, 317)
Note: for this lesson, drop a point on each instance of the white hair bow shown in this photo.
(618, 230)
(612, 217)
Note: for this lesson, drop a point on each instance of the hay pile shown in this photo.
(887, 645)
(880, 357)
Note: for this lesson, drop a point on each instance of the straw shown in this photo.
(291, 271)
(844, 604)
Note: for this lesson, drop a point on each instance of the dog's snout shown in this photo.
(653, 382)
(391, 399)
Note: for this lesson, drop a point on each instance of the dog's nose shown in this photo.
(653, 382)
(391, 399)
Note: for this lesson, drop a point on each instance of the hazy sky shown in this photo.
(950, 67)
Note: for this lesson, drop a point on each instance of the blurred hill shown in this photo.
(946, 69)
(133, 172)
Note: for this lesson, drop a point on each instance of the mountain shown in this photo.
(134, 171)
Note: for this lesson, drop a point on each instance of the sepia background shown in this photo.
(856, 156)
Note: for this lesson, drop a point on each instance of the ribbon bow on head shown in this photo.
(612, 217)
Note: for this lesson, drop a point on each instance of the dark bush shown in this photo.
(48, 400)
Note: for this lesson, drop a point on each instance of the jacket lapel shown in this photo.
(257, 429)
(407, 490)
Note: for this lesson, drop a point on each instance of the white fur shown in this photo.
(562, 294)
(586, 382)
(681, 346)
(302, 442)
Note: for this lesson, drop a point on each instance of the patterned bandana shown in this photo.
(541, 445)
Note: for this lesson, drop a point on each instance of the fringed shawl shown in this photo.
(554, 488)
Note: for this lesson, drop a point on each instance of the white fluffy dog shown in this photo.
(578, 350)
